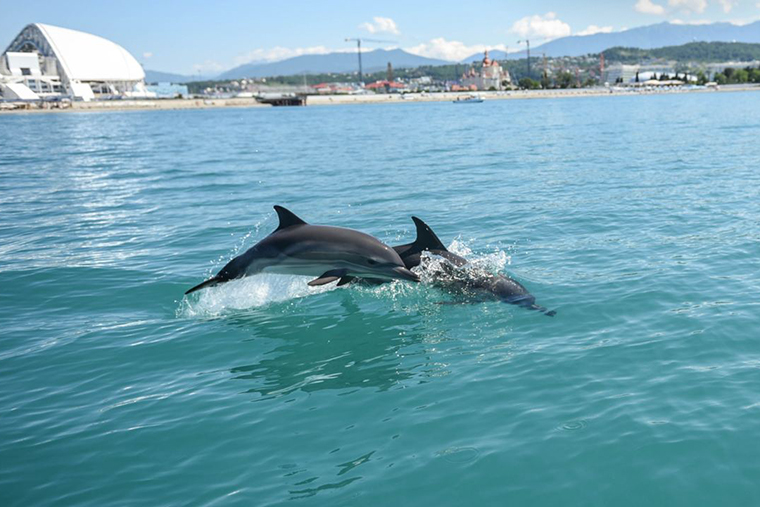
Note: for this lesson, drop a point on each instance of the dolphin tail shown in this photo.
(208, 283)
(545, 311)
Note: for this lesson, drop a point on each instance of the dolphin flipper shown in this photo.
(208, 283)
(327, 277)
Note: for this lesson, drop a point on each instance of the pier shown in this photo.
(283, 99)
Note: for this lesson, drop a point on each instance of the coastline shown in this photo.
(329, 100)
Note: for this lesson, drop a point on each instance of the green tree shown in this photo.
(721, 79)
(741, 76)
(527, 83)
(701, 78)
(565, 80)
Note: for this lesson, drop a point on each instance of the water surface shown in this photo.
(636, 218)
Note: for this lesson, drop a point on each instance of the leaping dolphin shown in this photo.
(329, 253)
(456, 275)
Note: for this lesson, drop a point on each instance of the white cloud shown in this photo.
(381, 25)
(685, 6)
(592, 29)
(545, 27)
(147, 55)
(691, 22)
(279, 53)
(697, 6)
(649, 7)
(450, 50)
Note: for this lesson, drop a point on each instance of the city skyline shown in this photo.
(189, 38)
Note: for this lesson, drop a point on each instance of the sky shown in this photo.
(203, 37)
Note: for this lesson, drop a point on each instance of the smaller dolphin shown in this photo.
(455, 275)
(329, 253)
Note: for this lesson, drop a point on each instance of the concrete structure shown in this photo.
(711, 69)
(491, 76)
(49, 62)
(620, 73)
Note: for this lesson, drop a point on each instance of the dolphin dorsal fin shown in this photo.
(287, 218)
(426, 238)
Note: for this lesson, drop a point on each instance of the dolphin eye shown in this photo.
(371, 262)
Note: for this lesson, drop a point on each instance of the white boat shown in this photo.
(468, 99)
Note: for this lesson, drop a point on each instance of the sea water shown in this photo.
(636, 218)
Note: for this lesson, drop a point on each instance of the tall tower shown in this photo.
(389, 75)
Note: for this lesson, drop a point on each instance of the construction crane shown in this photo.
(359, 51)
(526, 41)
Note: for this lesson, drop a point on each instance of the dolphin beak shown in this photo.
(405, 274)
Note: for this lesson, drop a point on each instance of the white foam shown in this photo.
(249, 292)
(495, 261)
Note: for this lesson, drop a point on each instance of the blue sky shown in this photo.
(190, 36)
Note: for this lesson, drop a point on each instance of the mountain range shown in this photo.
(372, 61)
(652, 36)
(644, 37)
(155, 76)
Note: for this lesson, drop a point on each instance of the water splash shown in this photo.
(249, 292)
(494, 262)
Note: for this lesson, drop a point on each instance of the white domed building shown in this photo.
(491, 75)
(50, 62)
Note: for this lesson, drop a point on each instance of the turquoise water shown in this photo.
(636, 218)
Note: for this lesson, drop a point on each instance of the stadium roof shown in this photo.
(83, 56)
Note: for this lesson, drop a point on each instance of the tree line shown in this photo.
(695, 52)
(738, 76)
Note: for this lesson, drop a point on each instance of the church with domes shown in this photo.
(491, 75)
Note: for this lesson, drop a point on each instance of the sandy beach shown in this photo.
(328, 100)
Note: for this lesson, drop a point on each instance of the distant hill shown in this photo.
(648, 37)
(372, 61)
(663, 35)
(155, 76)
(704, 52)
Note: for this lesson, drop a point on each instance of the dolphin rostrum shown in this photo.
(454, 274)
(329, 253)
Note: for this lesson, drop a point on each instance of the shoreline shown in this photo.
(330, 100)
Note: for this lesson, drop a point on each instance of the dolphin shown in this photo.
(329, 253)
(456, 275)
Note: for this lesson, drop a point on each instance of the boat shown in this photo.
(468, 99)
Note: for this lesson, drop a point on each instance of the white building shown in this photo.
(619, 73)
(491, 75)
(49, 62)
